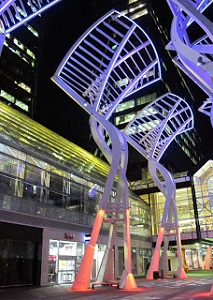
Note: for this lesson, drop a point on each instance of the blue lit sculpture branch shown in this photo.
(194, 55)
(113, 59)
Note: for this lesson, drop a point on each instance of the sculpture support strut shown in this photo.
(82, 279)
(110, 212)
(169, 116)
(169, 222)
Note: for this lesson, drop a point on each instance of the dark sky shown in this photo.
(64, 24)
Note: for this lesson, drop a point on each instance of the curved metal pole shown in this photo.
(169, 220)
(121, 203)
(193, 57)
(109, 212)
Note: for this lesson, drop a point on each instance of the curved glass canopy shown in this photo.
(32, 136)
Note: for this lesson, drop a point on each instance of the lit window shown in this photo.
(24, 86)
(7, 96)
(22, 105)
(31, 54)
(114, 47)
(124, 119)
(21, 11)
(18, 43)
(139, 14)
(31, 29)
(139, 101)
(132, 1)
(137, 8)
(123, 82)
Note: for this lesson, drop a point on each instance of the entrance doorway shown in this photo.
(64, 260)
(66, 269)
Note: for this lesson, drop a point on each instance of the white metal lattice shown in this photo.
(156, 126)
(113, 59)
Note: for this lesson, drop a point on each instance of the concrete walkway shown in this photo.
(195, 287)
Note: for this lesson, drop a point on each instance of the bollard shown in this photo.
(155, 275)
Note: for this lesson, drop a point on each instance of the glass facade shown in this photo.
(195, 214)
(184, 206)
(203, 185)
(62, 175)
(25, 178)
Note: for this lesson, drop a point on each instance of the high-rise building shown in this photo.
(19, 64)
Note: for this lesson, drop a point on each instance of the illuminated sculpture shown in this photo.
(150, 133)
(194, 57)
(13, 13)
(113, 59)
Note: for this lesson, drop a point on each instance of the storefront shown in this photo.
(62, 253)
(64, 260)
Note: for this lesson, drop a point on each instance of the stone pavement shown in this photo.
(192, 288)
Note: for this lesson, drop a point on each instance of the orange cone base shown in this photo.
(211, 292)
(128, 283)
(181, 274)
(80, 285)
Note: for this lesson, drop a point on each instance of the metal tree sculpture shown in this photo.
(150, 133)
(111, 60)
(194, 57)
(13, 13)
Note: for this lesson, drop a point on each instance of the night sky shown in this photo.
(64, 24)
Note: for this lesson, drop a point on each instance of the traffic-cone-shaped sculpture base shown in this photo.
(211, 292)
(127, 281)
(208, 258)
(154, 266)
(82, 279)
(180, 273)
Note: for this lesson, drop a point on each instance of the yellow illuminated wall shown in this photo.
(184, 206)
(203, 184)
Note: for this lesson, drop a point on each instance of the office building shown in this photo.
(19, 65)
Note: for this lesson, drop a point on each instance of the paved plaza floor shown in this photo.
(197, 286)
